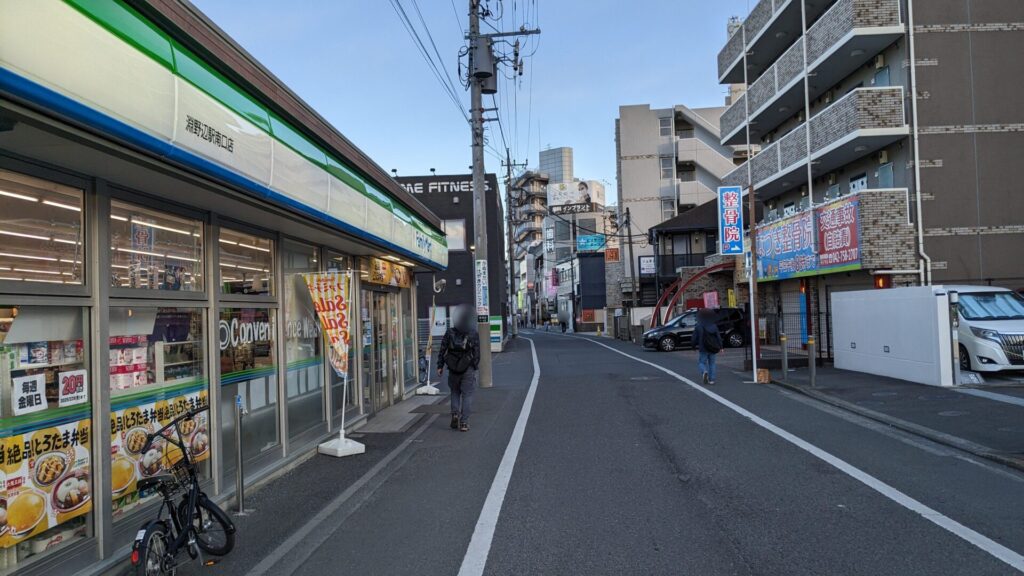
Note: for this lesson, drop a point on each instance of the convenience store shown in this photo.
(160, 196)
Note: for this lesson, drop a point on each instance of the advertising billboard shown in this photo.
(582, 194)
(838, 235)
(819, 241)
(590, 243)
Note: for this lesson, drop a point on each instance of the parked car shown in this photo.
(678, 332)
(991, 330)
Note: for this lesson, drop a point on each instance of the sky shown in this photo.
(354, 62)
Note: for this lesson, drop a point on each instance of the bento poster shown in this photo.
(331, 295)
(46, 479)
(129, 428)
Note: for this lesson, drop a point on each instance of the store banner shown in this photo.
(388, 274)
(785, 249)
(46, 477)
(331, 293)
(839, 235)
(129, 426)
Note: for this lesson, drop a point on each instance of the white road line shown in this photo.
(480, 545)
(1005, 398)
(952, 526)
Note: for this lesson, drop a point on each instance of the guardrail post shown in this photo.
(785, 356)
(239, 476)
(812, 366)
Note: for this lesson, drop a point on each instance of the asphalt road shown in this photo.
(625, 469)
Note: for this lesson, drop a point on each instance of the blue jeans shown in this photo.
(707, 364)
(462, 386)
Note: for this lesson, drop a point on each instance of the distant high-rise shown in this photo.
(557, 164)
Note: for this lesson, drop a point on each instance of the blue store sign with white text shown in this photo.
(730, 219)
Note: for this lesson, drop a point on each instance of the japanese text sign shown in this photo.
(29, 394)
(838, 236)
(730, 219)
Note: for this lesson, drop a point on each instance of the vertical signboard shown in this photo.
(838, 235)
(730, 220)
(483, 296)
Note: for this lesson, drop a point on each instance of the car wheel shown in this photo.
(735, 340)
(965, 358)
(667, 344)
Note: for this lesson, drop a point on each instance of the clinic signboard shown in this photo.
(820, 241)
(589, 243)
(730, 220)
(575, 197)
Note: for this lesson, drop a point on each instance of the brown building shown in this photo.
(911, 139)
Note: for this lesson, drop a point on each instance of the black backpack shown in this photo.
(458, 357)
(712, 339)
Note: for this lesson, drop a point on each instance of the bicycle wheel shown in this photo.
(152, 552)
(214, 532)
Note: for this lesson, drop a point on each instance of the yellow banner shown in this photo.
(388, 273)
(331, 295)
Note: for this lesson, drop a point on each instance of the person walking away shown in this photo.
(708, 341)
(460, 353)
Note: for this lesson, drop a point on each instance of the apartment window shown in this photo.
(858, 183)
(668, 209)
(885, 176)
(665, 126)
(455, 230)
(667, 169)
(40, 231)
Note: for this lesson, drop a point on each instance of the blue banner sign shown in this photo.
(730, 220)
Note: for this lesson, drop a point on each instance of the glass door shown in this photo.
(380, 361)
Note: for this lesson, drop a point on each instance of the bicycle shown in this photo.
(195, 525)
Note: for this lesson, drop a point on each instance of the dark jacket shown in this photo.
(473, 343)
(704, 327)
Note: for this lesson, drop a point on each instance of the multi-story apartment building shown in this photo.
(668, 161)
(529, 206)
(886, 137)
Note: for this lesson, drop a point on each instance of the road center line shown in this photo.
(480, 544)
(952, 526)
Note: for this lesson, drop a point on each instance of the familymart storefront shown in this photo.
(155, 223)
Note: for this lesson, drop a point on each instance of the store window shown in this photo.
(157, 371)
(248, 368)
(246, 264)
(304, 381)
(154, 250)
(40, 231)
(45, 418)
(340, 263)
(408, 334)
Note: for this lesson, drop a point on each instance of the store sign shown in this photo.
(565, 209)
(423, 243)
(647, 266)
(821, 241)
(483, 294)
(785, 249)
(388, 274)
(730, 219)
(234, 332)
(710, 299)
(611, 254)
(331, 293)
(29, 394)
(73, 387)
(838, 235)
(581, 193)
(588, 316)
(590, 243)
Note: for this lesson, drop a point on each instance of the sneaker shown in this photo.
(704, 378)
(711, 382)
(455, 421)
(464, 426)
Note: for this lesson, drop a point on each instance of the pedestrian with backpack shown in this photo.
(460, 353)
(708, 341)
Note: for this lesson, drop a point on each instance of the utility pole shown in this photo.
(632, 272)
(512, 302)
(482, 67)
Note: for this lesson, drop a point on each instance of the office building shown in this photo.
(557, 164)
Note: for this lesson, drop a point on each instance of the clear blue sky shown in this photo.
(353, 61)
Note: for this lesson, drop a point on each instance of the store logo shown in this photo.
(234, 333)
(423, 241)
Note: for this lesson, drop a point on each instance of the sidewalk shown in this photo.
(988, 423)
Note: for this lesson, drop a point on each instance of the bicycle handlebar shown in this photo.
(187, 415)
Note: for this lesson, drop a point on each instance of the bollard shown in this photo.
(240, 478)
(812, 366)
(785, 356)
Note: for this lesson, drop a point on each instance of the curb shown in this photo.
(916, 429)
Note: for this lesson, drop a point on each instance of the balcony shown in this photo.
(847, 36)
(531, 208)
(669, 264)
(526, 228)
(769, 29)
(700, 153)
(858, 124)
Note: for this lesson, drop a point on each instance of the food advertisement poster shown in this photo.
(331, 295)
(388, 273)
(129, 426)
(46, 475)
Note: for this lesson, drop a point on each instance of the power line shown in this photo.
(445, 80)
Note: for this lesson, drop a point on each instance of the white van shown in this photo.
(991, 328)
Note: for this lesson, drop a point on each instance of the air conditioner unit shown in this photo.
(879, 62)
(883, 157)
